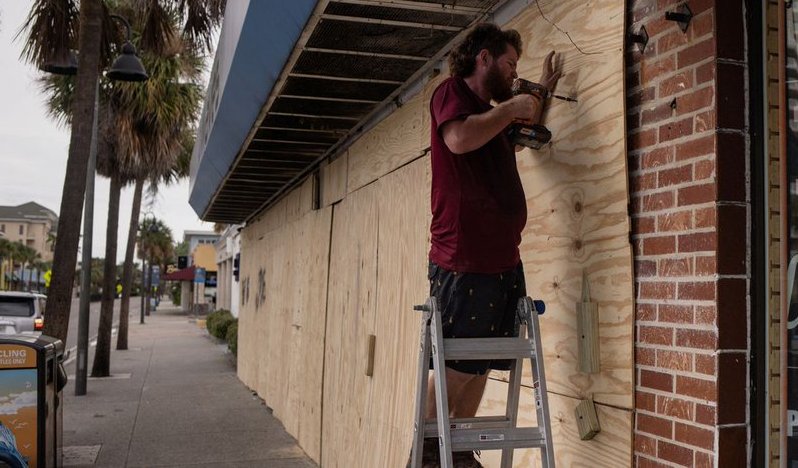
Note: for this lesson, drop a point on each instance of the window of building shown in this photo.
(21, 229)
(2, 228)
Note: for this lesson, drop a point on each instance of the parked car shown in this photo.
(21, 312)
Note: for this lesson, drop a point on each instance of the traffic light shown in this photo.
(236, 266)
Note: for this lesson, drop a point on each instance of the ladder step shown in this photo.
(467, 349)
(493, 439)
(483, 422)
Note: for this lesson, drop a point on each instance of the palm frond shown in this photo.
(157, 35)
(59, 92)
(202, 17)
(51, 31)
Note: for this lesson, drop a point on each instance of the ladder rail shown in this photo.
(441, 392)
(482, 433)
(539, 381)
(513, 397)
(422, 386)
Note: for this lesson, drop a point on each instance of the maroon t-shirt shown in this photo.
(478, 202)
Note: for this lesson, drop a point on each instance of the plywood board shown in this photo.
(403, 258)
(247, 368)
(300, 200)
(307, 306)
(577, 198)
(283, 320)
(271, 219)
(334, 180)
(610, 448)
(351, 307)
(393, 142)
(577, 195)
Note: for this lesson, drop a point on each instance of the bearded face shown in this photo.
(499, 83)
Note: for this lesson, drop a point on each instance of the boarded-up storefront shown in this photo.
(654, 190)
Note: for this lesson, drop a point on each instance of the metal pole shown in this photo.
(149, 289)
(85, 269)
(141, 292)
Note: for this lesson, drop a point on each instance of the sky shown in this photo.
(34, 149)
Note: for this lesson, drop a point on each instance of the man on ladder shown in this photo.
(478, 209)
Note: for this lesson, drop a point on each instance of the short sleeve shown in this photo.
(449, 102)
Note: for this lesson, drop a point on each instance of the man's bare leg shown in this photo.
(464, 392)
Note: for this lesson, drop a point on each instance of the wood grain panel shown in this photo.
(392, 143)
(307, 299)
(300, 200)
(577, 196)
(247, 368)
(610, 448)
(403, 258)
(334, 180)
(350, 320)
(283, 320)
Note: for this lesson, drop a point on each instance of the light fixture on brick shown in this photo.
(682, 15)
(641, 39)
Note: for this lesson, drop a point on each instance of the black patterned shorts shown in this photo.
(477, 305)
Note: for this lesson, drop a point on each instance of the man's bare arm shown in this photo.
(463, 136)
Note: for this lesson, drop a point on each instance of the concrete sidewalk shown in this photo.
(173, 400)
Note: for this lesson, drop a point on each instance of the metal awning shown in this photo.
(353, 60)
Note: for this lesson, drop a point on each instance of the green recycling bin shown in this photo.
(31, 379)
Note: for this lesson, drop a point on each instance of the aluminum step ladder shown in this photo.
(482, 433)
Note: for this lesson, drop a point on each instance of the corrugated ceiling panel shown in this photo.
(443, 17)
(354, 66)
(379, 38)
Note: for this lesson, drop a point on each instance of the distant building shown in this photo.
(197, 238)
(31, 224)
(202, 254)
(228, 250)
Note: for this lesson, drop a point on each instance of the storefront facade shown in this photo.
(670, 183)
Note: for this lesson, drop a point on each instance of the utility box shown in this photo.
(32, 377)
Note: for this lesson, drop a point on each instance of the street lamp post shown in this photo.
(127, 67)
(145, 277)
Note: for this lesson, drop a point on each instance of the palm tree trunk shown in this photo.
(127, 271)
(66, 246)
(102, 354)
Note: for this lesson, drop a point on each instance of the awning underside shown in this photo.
(359, 56)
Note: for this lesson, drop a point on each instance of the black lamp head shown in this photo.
(64, 62)
(127, 67)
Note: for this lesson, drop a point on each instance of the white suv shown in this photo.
(21, 312)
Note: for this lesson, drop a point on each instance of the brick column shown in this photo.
(687, 149)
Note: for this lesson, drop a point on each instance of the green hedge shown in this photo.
(218, 322)
(232, 337)
(224, 326)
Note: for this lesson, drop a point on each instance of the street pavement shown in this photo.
(173, 400)
(94, 319)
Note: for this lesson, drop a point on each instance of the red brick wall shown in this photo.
(689, 207)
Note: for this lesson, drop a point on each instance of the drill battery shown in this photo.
(530, 136)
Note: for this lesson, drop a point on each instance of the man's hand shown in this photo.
(522, 107)
(551, 73)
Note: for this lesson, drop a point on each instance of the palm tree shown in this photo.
(26, 256)
(177, 171)
(155, 245)
(6, 250)
(53, 28)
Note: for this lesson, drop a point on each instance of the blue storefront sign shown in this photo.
(199, 275)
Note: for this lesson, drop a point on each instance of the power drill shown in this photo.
(525, 134)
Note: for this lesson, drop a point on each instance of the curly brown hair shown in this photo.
(462, 59)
